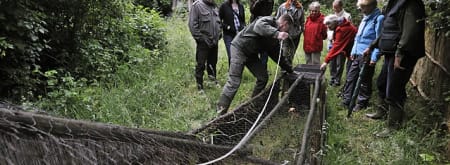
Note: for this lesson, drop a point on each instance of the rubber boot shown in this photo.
(382, 109)
(199, 81)
(395, 118)
(214, 80)
(223, 105)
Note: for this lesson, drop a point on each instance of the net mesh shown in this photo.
(31, 138)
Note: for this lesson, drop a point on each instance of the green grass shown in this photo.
(352, 141)
(163, 96)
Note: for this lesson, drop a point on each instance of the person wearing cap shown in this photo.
(264, 33)
(369, 29)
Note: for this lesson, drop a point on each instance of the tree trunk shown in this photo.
(432, 77)
(174, 5)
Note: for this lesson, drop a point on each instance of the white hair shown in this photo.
(332, 19)
(314, 5)
(366, 2)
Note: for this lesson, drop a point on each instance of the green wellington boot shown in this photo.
(223, 105)
(394, 120)
(381, 112)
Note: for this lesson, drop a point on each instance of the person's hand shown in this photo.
(367, 52)
(323, 66)
(372, 63)
(352, 57)
(206, 39)
(397, 62)
(282, 35)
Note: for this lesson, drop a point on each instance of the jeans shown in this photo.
(365, 89)
(227, 41)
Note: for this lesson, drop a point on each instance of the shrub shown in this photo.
(81, 39)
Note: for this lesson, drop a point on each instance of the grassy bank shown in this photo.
(163, 96)
(350, 141)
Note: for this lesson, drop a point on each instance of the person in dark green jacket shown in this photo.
(264, 33)
(402, 42)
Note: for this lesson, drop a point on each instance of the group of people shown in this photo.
(396, 33)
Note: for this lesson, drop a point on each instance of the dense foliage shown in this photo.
(45, 43)
(164, 6)
(439, 15)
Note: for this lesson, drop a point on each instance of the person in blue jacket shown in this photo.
(368, 30)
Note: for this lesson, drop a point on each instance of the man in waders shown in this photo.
(264, 33)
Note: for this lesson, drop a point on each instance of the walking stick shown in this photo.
(357, 86)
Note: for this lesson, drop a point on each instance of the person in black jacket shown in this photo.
(260, 8)
(402, 42)
(232, 16)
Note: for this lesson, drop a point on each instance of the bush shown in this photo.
(163, 6)
(81, 39)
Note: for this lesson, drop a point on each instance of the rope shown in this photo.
(250, 131)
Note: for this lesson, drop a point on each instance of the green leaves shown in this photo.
(439, 15)
(90, 39)
(4, 45)
(427, 157)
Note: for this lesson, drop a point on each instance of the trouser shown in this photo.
(289, 48)
(238, 61)
(392, 86)
(337, 66)
(365, 89)
(312, 58)
(206, 58)
(264, 57)
(227, 41)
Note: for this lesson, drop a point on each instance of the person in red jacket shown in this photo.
(314, 34)
(343, 37)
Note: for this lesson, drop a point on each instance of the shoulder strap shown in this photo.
(375, 21)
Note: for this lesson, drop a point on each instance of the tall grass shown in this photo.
(162, 95)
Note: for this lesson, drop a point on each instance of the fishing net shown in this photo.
(282, 135)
